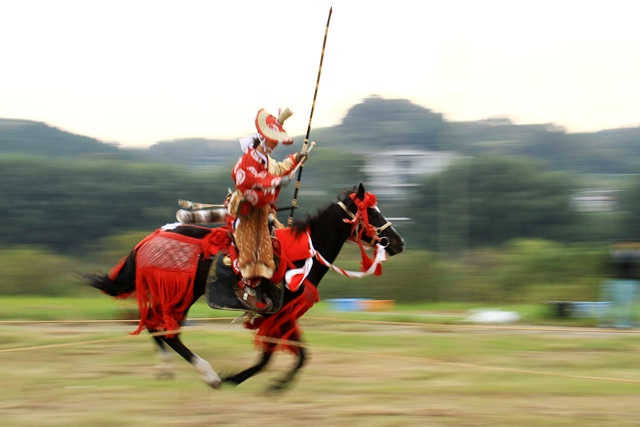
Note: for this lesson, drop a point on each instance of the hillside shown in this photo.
(36, 138)
(196, 152)
(373, 125)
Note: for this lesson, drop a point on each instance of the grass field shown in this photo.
(373, 369)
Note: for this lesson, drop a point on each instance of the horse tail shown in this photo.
(121, 282)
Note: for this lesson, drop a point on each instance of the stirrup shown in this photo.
(249, 300)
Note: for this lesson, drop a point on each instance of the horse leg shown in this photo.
(249, 372)
(301, 358)
(164, 368)
(208, 374)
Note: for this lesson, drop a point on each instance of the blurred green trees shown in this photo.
(488, 200)
(489, 229)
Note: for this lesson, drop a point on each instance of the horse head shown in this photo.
(368, 222)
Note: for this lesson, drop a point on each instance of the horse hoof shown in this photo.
(165, 372)
(214, 383)
(277, 387)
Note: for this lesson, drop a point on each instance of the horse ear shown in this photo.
(361, 192)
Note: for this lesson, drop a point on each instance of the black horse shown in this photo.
(355, 217)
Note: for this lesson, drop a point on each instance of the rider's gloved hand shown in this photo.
(301, 157)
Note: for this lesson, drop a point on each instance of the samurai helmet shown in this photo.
(270, 128)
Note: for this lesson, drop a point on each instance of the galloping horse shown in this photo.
(163, 307)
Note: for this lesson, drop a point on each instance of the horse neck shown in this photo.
(328, 236)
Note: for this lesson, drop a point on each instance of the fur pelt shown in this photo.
(254, 244)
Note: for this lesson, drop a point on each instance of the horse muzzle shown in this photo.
(394, 245)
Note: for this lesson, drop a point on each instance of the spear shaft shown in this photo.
(305, 145)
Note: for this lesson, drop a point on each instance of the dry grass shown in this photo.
(358, 375)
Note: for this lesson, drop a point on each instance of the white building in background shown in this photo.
(390, 173)
(596, 201)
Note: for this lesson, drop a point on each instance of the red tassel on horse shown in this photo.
(283, 325)
(163, 299)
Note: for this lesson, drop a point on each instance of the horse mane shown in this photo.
(300, 225)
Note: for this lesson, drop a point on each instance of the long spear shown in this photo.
(305, 145)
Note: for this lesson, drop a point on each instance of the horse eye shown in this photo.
(374, 213)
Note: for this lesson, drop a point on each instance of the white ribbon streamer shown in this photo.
(381, 256)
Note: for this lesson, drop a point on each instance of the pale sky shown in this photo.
(140, 71)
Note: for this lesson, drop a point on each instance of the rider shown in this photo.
(258, 179)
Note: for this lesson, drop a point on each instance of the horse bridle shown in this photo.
(360, 221)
